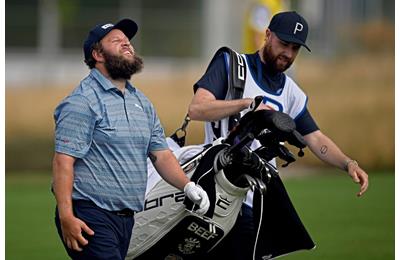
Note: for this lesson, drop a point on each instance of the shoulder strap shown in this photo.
(236, 82)
(236, 71)
(236, 79)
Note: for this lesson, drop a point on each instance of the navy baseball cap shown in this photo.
(290, 27)
(127, 26)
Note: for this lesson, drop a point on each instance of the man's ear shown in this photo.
(97, 55)
(267, 34)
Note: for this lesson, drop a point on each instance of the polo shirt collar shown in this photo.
(106, 83)
(130, 87)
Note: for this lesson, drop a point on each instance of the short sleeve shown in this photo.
(305, 123)
(215, 79)
(157, 139)
(75, 122)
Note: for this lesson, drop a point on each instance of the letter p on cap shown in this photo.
(298, 28)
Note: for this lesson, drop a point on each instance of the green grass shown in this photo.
(30, 230)
(342, 225)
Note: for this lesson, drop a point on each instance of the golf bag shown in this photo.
(168, 227)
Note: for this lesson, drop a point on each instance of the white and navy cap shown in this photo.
(290, 27)
(127, 26)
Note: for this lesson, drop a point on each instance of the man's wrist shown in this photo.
(350, 162)
(246, 103)
(65, 211)
(188, 185)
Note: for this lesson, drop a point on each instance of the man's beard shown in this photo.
(271, 61)
(119, 67)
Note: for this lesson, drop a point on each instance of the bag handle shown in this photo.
(179, 136)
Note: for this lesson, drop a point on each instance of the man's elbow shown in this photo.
(313, 138)
(194, 112)
(62, 162)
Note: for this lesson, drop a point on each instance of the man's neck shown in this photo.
(119, 83)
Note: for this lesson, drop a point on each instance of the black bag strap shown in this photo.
(179, 136)
(204, 176)
(236, 81)
(236, 78)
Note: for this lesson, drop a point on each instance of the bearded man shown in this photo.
(105, 131)
(265, 76)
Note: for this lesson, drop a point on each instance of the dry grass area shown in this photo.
(352, 100)
(29, 111)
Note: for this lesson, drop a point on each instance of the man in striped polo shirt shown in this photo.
(105, 130)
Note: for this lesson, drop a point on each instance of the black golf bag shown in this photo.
(168, 228)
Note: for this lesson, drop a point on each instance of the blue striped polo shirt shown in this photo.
(110, 134)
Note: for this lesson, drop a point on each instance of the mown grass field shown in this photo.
(342, 225)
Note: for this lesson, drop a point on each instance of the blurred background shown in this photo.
(348, 77)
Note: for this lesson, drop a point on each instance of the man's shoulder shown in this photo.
(289, 81)
(224, 50)
(292, 88)
(86, 90)
(221, 57)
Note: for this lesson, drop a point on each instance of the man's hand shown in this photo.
(263, 106)
(326, 150)
(256, 104)
(358, 175)
(72, 228)
(196, 194)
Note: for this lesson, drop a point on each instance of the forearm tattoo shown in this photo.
(152, 157)
(323, 149)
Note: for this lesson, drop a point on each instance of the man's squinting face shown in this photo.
(116, 43)
(277, 54)
(119, 55)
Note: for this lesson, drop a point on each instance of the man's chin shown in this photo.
(128, 57)
(281, 67)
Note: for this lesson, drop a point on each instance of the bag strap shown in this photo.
(179, 136)
(236, 81)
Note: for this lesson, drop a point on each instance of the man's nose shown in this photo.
(289, 52)
(126, 42)
(287, 55)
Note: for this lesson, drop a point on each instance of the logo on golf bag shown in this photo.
(190, 244)
(240, 67)
(160, 201)
(201, 231)
(223, 203)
